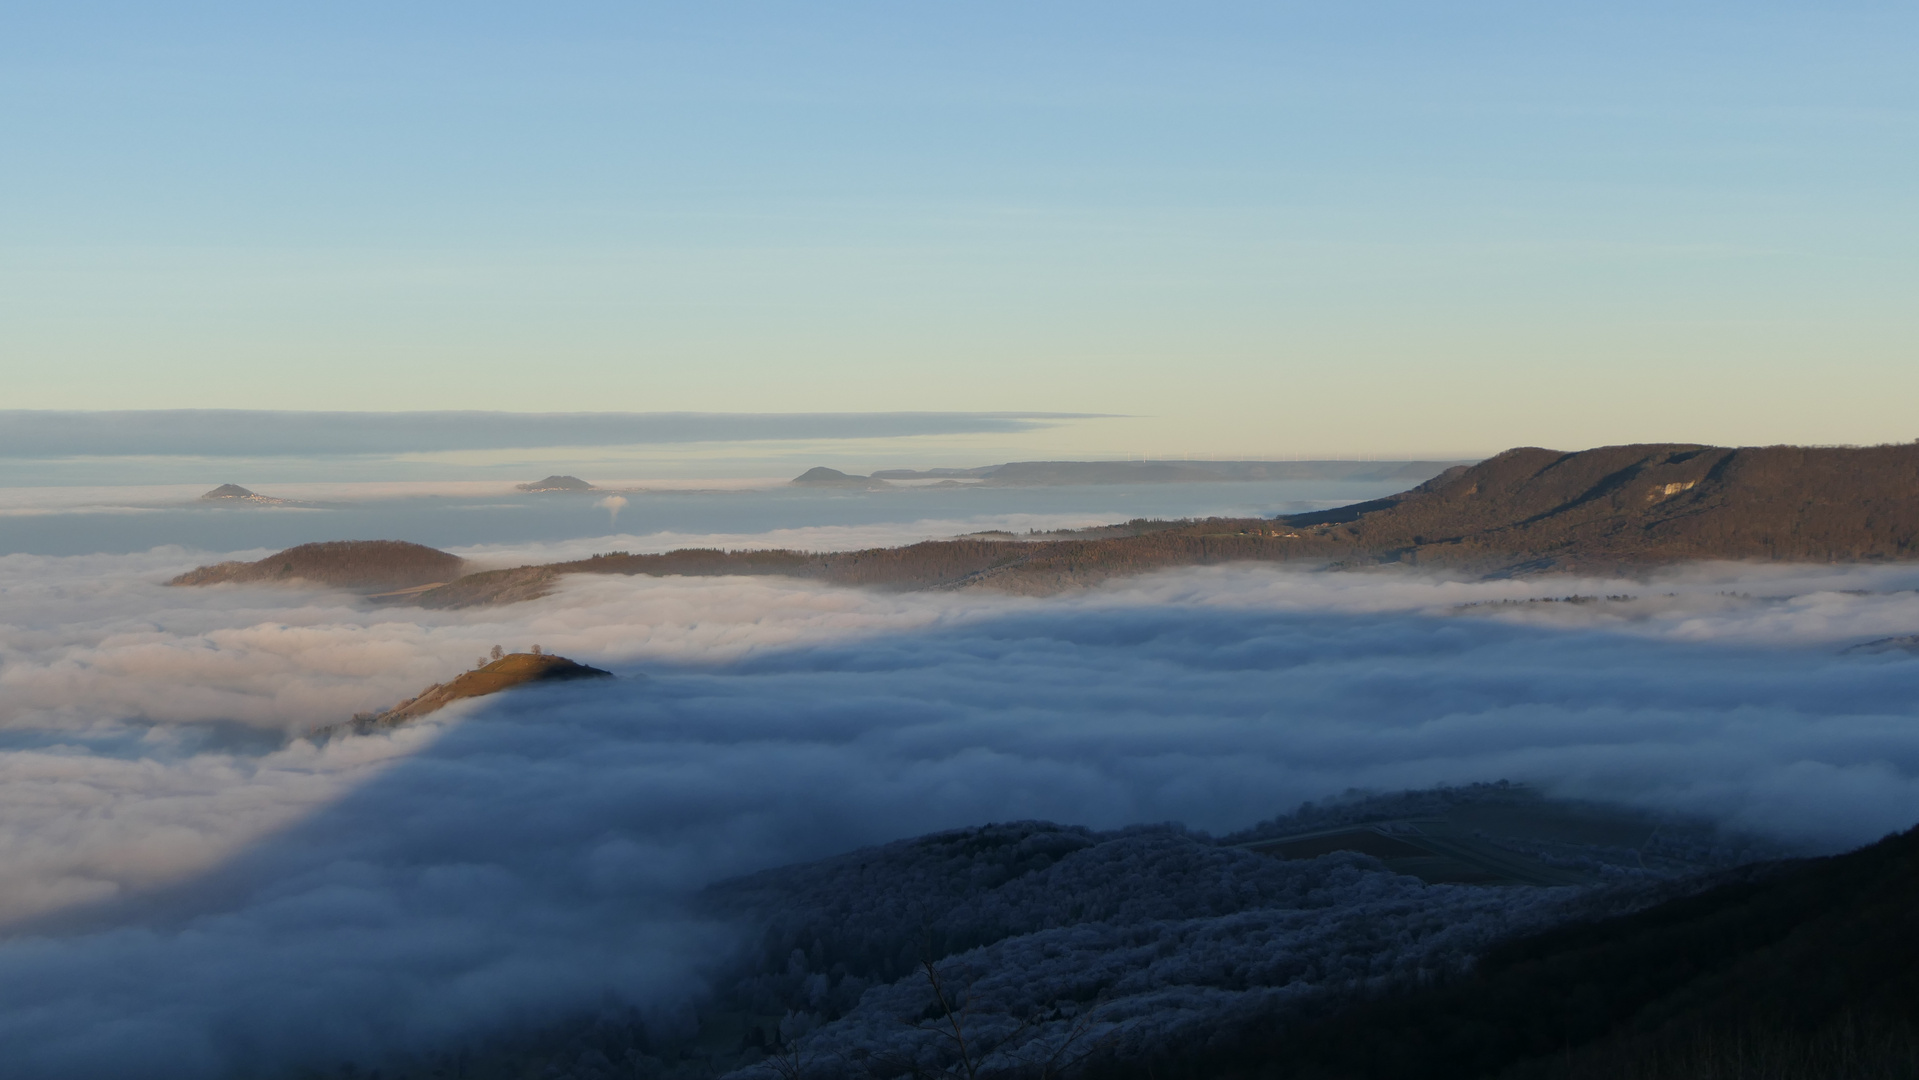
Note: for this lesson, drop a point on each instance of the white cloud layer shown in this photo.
(797, 538)
(31, 433)
(190, 894)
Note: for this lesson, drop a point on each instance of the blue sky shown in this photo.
(1256, 229)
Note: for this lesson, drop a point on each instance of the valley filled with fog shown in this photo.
(190, 882)
(930, 542)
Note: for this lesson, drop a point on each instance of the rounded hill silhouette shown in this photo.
(557, 483)
(349, 564)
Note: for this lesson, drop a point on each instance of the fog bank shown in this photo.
(290, 902)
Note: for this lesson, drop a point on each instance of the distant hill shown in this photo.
(511, 670)
(1059, 473)
(822, 477)
(557, 483)
(236, 493)
(1611, 510)
(347, 564)
(1624, 505)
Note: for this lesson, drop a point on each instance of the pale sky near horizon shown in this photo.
(1254, 229)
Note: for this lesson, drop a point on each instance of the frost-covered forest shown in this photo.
(1033, 949)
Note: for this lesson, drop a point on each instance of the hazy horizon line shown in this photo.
(58, 433)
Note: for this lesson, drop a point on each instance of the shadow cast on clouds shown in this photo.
(536, 852)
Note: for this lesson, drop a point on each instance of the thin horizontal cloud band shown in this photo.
(31, 433)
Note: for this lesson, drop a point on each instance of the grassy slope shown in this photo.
(514, 669)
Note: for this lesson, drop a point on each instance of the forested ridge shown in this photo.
(1059, 951)
(1802, 969)
(1610, 510)
(1641, 504)
(350, 564)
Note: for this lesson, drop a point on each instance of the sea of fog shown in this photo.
(644, 515)
(188, 888)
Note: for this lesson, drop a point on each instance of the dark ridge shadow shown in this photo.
(1339, 515)
(815, 682)
(1606, 486)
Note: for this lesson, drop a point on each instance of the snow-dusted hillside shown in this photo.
(1034, 944)
(1031, 949)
